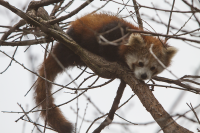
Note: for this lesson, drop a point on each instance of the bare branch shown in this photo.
(37, 4)
(177, 82)
(138, 15)
(113, 109)
(70, 14)
(158, 34)
(153, 8)
(12, 29)
(102, 68)
(25, 43)
(169, 20)
(191, 107)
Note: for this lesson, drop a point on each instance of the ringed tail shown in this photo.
(55, 118)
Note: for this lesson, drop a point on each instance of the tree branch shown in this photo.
(177, 82)
(113, 109)
(159, 34)
(37, 4)
(111, 70)
(71, 14)
(25, 43)
(170, 16)
(138, 15)
(16, 26)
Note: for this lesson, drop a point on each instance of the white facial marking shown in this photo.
(130, 59)
(139, 71)
(142, 72)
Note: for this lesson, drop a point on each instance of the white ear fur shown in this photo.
(135, 39)
(171, 51)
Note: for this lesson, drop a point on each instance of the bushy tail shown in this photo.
(55, 117)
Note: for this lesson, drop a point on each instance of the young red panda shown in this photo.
(133, 51)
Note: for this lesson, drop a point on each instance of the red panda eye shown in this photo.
(140, 64)
(152, 68)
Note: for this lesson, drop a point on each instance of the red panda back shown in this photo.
(94, 22)
(87, 30)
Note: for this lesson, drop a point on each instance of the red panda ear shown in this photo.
(136, 40)
(170, 52)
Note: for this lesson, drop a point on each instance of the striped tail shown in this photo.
(55, 118)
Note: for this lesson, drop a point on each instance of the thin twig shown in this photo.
(138, 15)
(113, 109)
(83, 118)
(71, 14)
(150, 50)
(191, 107)
(158, 34)
(46, 89)
(26, 114)
(169, 20)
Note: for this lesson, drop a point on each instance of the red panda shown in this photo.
(86, 31)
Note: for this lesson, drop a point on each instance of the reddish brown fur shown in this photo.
(59, 123)
(158, 46)
(94, 22)
(83, 32)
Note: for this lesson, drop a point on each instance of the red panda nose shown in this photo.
(144, 76)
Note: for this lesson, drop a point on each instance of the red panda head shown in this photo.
(139, 59)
